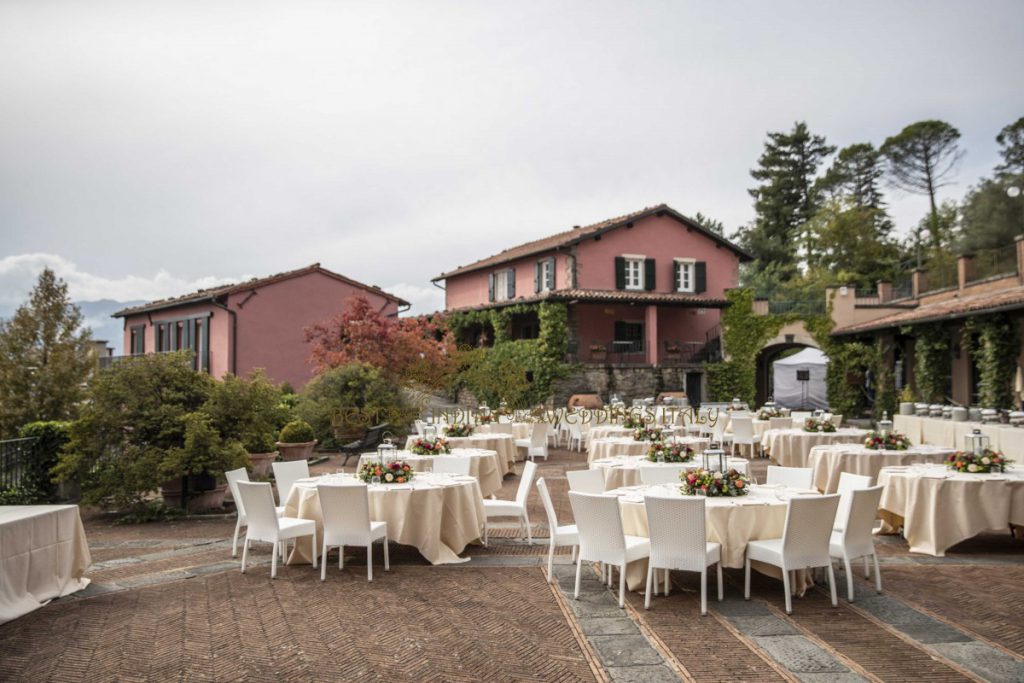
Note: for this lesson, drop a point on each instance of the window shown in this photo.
(501, 286)
(634, 273)
(544, 275)
(138, 340)
(187, 333)
(629, 337)
(684, 275)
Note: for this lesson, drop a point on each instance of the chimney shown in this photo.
(964, 270)
(884, 291)
(919, 281)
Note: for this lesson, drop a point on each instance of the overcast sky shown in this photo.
(147, 148)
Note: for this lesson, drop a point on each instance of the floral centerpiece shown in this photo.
(987, 460)
(398, 472)
(457, 430)
(424, 446)
(701, 482)
(647, 434)
(634, 421)
(768, 412)
(889, 441)
(814, 424)
(484, 418)
(669, 452)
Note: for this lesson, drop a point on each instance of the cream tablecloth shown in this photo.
(43, 555)
(483, 465)
(949, 434)
(437, 514)
(733, 522)
(938, 508)
(502, 444)
(624, 470)
(619, 432)
(518, 430)
(827, 463)
(610, 447)
(791, 447)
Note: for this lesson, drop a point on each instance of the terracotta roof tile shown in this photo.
(957, 307)
(577, 234)
(224, 290)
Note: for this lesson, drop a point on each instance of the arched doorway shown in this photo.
(768, 355)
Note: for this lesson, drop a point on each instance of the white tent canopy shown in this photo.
(799, 380)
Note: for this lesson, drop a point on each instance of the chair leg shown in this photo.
(273, 561)
(832, 586)
(323, 562)
(551, 561)
(579, 568)
(610, 575)
(529, 532)
(622, 586)
(785, 587)
(647, 593)
(667, 583)
(245, 551)
(387, 560)
(849, 578)
(867, 568)
(234, 541)
(704, 591)
(313, 546)
(746, 580)
(878, 573)
(369, 561)
(721, 595)
(573, 556)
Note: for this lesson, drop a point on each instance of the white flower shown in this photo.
(986, 460)
(389, 477)
(718, 475)
(972, 467)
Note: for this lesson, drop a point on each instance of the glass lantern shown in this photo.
(386, 451)
(770, 403)
(737, 403)
(976, 442)
(713, 458)
(884, 426)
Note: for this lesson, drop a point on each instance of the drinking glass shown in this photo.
(375, 480)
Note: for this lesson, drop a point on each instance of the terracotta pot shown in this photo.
(296, 451)
(261, 463)
(211, 499)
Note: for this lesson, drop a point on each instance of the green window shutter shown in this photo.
(536, 276)
(700, 277)
(551, 274)
(649, 275)
(675, 276)
(511, 283)
(620, 272)
(490, 286)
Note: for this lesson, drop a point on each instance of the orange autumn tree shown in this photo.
(416, 350)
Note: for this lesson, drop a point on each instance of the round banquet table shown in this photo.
(620, 432)
(733, 522)
(624, 470)
(607, 448)
(518, 430)
(437, 514)
(483, 465)
(938, 508)
(827, 463)
(502, 444)
(791, 447)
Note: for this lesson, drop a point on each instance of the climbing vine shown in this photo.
(995, 355)
(931, 361)
(847, 363)
(744, 333)
(886, 399)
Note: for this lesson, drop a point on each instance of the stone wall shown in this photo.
(628, 381)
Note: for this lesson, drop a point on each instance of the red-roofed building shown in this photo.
(255, 324)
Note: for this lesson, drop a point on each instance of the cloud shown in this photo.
(423, 299)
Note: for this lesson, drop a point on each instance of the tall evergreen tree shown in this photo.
(855, 180)
(1011, 140)
(785, 199)
(921, 159)
(44, 357)
(710, 223)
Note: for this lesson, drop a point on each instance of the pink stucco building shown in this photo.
(256, 324)
(647, 287)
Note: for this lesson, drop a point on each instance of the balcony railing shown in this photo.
(989, 263)
(15, 455)
(801, 308)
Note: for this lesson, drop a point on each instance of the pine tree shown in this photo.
(854, 180)
(1011, 140)
(785, 199)
(44, 357)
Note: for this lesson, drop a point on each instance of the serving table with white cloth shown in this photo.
(731, 521)
(438, 514)
(483, 465)
(947, 433)
(827, 463)
(43, 555)
(791, 447)
(626, 445)
(624, 470)
(938, 508)
(502, 444)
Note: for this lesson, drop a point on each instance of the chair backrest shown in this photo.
(539, 434)
(660, 474)
(286, 473)
(420, 426)
(677, 530)
(258, 500)
(848, 483)
(525, 482)
(798, 416)
(233, 477)
(780, 423)
(743, 429)
(374, 435)
(809, 521)
(574, 430)
(451, 464)
(718, 431)
(837, 420)
(858, 519)
(599, 523)
(793, 477)
(549, 507)
(586, 481)
(345, 509)
(739, 464)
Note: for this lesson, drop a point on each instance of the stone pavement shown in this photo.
(167, 602)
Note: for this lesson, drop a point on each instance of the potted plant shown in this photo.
(195, 470)
(598, 351)
(906, 401)
(296, 441)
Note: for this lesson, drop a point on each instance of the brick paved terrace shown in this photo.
(167, 602)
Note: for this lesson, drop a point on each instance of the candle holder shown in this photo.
(976, 442)
(386, 451)
(713, 459)
(884, 426)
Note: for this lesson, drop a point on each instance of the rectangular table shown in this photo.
(43, 555)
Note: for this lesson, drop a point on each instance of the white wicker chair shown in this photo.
(679, 541)
(792, 477)
(346, 514)
(513, 508)
(233, 477)
(286, 474)
(854, 539)
(652, 474)
(837, 420)
(451, 464)
(780, 423)
(559, 535)
(537, 444)
(575, 436)
(602, 539)
(586, 481)
(265, 525)
(804, 543)
(743, 434)
(848, 483)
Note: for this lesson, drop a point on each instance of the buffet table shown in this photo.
(949, 434)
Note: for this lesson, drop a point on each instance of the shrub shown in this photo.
(204, 450)
(297, 431)
(37, 481)
(247, 410)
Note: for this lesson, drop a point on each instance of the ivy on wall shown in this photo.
(744, 333)
(931, 362)
(847, 363)
(886, 399)
(995, 355)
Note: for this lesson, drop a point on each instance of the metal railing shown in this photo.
(803, 308)
(902, 288)
(995, 262)
(942, 278)
(15, 456)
